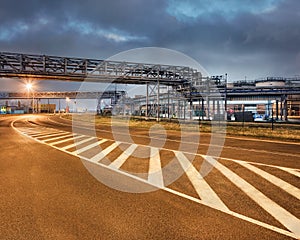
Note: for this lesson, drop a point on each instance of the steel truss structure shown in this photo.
(79, 69)
(185, 85)
(61, 95)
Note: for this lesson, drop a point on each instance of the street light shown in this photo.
(29, 88)
(67, 104)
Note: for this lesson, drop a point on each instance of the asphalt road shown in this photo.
(48, 192)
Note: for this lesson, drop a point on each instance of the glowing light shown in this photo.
(28, 86)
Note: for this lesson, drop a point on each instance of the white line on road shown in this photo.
(273, 179)
(291, 171)
(78, 143)
(70, 137)
(104, 152)
(33, 131)
(205, 192)
(43, 135)
(240, 216)
(283, 216)
(44, 131)
(117, 163)
(66, 134)
(237, 215)
(155, 173)
(81, 150)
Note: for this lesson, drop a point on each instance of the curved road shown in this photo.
(48, 193)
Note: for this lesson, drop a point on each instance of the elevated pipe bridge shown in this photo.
(43, 67)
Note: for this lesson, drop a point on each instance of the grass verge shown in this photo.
(283, 132)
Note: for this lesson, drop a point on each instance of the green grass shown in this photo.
(284, 132)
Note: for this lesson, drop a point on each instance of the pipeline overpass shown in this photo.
(62, 95)
(43, 67)
(183, 82)
(183, 79)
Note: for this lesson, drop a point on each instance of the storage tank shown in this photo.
(269, 83)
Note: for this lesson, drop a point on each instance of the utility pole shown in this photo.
(226, 96)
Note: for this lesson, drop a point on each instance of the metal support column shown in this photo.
(277, 109)
(225, 97)
(183, 109)
(191, 109)
(281, 108)
(59, 106)
(158, 107)
(147, 99)
(168, 102)
(285, 109)
(202, 109)
(214, 108)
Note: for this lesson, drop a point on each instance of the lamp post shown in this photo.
(67, 104)
(226, 97)
(29, 88)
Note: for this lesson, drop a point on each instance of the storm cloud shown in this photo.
(242, 38)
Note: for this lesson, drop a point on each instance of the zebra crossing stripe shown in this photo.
(117, 163)
(78, 143)
(205, 192)
(104, 152)
(59, 137)
(70, 137)
(155, 176)
(291, 171)
(46, 131)
(273, 179)
(283, 216)
(33, 132)
(81, 150)
(47, 134)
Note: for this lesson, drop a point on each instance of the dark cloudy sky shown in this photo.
(253, 38)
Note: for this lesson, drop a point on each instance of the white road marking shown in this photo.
(48, 135)
(273, 179)
(291, 171)
(71, 137)
(264, 140)
(237, 215)
(155, 173)
(240, 216)
(205, 192)
(81, 150)
(46, 131)
(208, 144)
(78, 143)
(104, 152)
(117, 163)
(32, 132)
(66, 134)
(283, 216)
